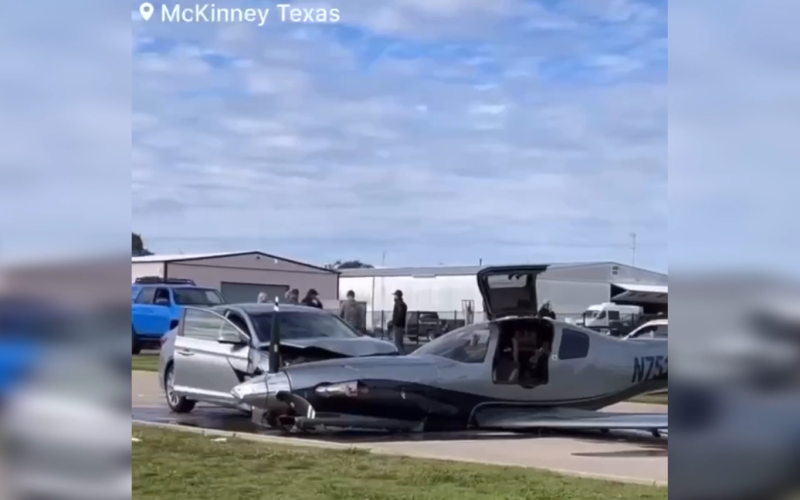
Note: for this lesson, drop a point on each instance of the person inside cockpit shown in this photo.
(539, 362)
(524, 349)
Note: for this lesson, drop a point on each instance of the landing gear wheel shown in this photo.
(178, 404)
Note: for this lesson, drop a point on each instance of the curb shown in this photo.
(247, 436)
(310, 443)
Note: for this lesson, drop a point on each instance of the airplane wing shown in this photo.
(506, 418)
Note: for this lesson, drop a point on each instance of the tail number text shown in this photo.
(649, 367)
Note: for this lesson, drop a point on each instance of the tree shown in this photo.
(349, 264)
(137, 246)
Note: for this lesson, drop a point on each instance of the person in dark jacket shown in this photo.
(312, 299)
(546, 311)
(399, 320)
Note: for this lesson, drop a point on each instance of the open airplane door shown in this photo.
(509, 290)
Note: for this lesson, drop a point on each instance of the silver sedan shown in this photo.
(215, 349)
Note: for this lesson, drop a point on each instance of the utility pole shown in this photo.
(633, 249)
(383, 294)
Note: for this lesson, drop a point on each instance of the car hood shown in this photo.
(355, 347)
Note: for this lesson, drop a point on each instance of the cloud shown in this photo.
(65, 128)
(734, 76)
(436, 130)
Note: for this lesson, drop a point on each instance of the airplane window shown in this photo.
(465, 345)
(574, 345)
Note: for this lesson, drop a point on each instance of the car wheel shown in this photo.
(136, 347)
(177, 404)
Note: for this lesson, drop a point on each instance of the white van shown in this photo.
(598, 316)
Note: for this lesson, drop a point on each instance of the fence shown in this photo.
(421, 326)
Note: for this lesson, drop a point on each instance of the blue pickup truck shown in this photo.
(157, 307)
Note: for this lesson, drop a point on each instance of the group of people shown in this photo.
(352, 312)
(293, 297)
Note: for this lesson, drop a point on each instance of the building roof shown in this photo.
(640, 292)
(217, 255)
(179, 257)
(447, 270)
(639, 287)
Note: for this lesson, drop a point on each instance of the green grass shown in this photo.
(173, 465)
(145, 362)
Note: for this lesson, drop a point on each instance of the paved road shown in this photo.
(634, 460)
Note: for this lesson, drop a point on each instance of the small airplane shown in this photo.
(515, 372)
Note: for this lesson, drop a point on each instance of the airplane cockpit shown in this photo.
(523, 352)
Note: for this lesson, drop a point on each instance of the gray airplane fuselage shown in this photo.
(438, 393)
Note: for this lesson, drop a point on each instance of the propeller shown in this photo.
(275, 340)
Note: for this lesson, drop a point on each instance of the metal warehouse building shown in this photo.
(241, 276)
(450, 291)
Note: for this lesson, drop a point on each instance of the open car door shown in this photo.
(212, 356)
(509, 290)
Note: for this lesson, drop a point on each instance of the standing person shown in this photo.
(350, 311)
(399, 320)
(312, 299)
(293, 296)
(546, 311)
(262, 297)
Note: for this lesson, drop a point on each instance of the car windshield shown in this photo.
(296, 325)
(591, 314)
(197, 297)
(467, 345)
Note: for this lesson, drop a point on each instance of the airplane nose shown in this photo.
(260, 392)
(277, 382)
(253, 392)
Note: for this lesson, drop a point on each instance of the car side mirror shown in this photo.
(229, 337)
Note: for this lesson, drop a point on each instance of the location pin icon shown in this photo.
(146, 10)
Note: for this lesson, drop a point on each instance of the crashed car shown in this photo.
(214, 349)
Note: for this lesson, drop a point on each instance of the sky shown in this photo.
(411, 132)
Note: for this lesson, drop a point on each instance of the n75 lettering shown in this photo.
(649, 367)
